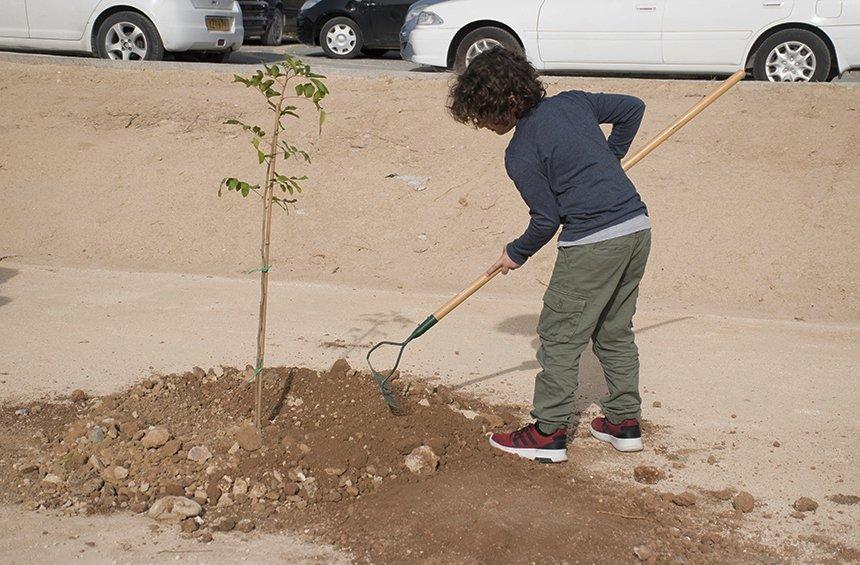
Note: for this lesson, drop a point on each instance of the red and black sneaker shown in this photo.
(625, 436)
(528, 442)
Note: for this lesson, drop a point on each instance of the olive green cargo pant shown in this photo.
(591, 296)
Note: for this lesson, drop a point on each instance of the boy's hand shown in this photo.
(504, 263)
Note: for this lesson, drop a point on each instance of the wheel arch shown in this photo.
(763, 36)
(465, 30)
(108, 12)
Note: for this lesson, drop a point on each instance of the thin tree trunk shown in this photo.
(264, 252)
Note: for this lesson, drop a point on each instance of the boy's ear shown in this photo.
(514, 106)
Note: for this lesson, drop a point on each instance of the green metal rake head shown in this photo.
(383, 378)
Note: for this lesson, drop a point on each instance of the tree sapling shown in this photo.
(273, 83)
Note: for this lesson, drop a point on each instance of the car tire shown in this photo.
(274, 33)
(792, 55)
(480, 40)
(341, 38)
(129, 36)
(373, 52)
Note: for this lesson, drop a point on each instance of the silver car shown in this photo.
(129, 30)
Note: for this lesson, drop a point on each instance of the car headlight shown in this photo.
(429, 19)
(413, 13)
(309, 4)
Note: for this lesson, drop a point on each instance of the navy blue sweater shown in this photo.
(568, 172)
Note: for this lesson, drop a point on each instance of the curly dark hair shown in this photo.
(498, 86)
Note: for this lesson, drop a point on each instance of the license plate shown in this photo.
(214, 23)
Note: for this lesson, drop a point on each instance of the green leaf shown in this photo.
(261, 156)
(322, 118)
(245, 188)
(232, 183)
(271, 93)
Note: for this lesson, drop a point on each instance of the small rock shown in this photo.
(743, 502)
(234, 449)
(174, 509)
(656, 404)
(805, 504)
(249, 438)
(291, 489)
(224, 524)
(22, 412)
(115, 473)
(199, 454)
(205, 537)
(155, 438)
(776, 444)
(333, 496)
(52, 479)
(711, 460)
(424, 402)
(173, 489)
(78, 395)
(213, 493)
(245, 525)
(188, 526)
(684, 499)
(95, 463)
(335, 471)
(96, 434)
(240, 486)
(725, 494)
(644, 553)
(422, 461)
(647, 475)
(304, 448)
(257, 491)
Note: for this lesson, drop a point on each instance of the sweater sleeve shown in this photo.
(535, 190)
(624, 113)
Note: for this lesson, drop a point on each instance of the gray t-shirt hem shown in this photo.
(632, 225)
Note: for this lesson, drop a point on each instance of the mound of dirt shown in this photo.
(333, 462)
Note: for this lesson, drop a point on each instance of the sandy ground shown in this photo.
(119, 260)
(43, 537)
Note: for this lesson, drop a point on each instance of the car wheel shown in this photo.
(480, 40)
(274, 34)
(129, 36)
(368, 52)
(792, 55)
(341, 38)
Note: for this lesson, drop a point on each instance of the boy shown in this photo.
(569, 174)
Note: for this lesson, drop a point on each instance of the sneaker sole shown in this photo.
(540, 455)
(621, 444)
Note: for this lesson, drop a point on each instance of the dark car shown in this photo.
(269, 19)
(345, 28)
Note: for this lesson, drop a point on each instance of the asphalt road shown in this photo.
(254, 54)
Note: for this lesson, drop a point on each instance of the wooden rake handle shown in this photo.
(724, 87)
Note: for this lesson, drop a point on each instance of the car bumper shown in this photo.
(427, 45)
(184, 29)
(305, 29)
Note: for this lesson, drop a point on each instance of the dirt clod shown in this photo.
(155, 438)
(78, 396)
(844, 499)
(249, 438)
(224, 524)
(422, 461)
(245, 525)
(684, 499)
(743, 502)
(648, 475)
(805, 504)
(199, 453)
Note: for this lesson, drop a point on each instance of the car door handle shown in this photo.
(647, 8)
(773, 3)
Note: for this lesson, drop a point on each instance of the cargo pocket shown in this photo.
(560, 316)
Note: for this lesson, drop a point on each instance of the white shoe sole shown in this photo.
(542, 455)
(621, 444)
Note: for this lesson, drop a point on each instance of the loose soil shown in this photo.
(332, 464)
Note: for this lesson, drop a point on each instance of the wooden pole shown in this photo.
(268, 193)
(682, 121)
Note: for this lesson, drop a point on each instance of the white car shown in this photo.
(780, 40)
(123, 29)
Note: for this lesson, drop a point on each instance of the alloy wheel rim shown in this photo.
(791, 61)
(479, 47)
(125, 41)
(341, 39)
